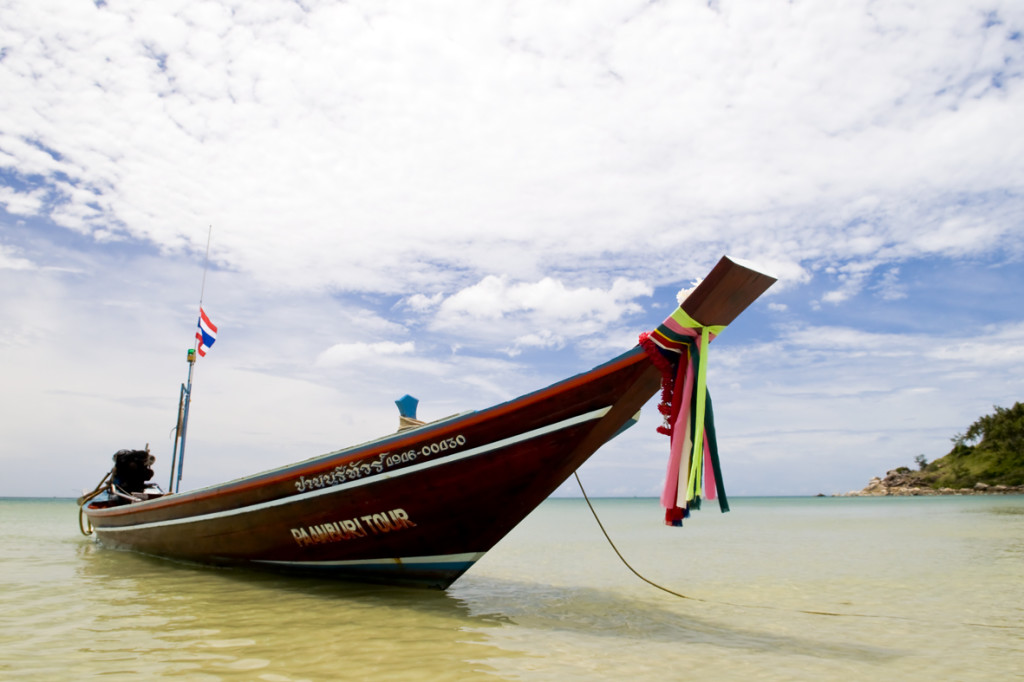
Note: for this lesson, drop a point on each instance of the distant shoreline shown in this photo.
(878, 487)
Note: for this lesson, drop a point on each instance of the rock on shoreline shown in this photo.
(896, 483)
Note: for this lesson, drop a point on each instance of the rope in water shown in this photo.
(622, 558)
(748, 606)
(683, 596)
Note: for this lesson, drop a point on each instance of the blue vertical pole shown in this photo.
(183, 406)
(177, 436)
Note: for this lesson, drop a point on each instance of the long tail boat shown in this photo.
(421, 506)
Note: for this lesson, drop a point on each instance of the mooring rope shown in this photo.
(706, 601)
(750, 606)
(100, 487)
(622, 558)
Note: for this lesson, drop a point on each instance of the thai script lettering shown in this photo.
(382, 462)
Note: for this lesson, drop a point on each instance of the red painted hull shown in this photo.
(419, 507)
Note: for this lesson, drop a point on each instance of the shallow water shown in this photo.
(920, 588)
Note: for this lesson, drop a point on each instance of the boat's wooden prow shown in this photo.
(725, 293)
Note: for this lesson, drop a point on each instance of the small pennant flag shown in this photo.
(207, 333)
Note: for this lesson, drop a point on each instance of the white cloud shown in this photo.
(889, 286)
(494, 297)
(495, 310)
(9, 260)
(21, 203)
(421, 302)
(350, 353)
(545, 339)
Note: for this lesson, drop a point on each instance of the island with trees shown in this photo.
(987, 459)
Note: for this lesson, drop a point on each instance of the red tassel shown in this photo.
(675, 516)
(668, 380)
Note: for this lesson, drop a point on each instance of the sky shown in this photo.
(470, 201)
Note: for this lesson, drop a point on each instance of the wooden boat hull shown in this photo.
(421, 506)
(418, 508)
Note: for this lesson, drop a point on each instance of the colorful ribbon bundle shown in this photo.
(678, 347)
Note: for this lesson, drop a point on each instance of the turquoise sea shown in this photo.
(778, 589)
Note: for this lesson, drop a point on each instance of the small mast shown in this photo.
(206, 334)
(181, 429)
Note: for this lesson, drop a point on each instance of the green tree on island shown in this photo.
(990, 451)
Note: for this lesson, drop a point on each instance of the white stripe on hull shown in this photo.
(330, 490)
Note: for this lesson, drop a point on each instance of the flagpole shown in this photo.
(185, 399)
(206, 263)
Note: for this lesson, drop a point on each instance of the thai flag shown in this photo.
(207, 333)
